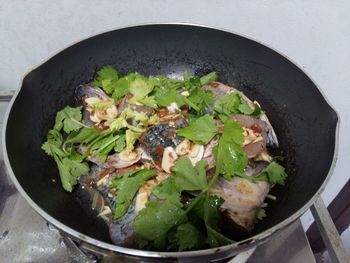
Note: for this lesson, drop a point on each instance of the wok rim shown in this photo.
(235, 247)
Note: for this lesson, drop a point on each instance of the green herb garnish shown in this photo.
(200, 130)
(127, 185)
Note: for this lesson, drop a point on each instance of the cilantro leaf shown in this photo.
(168, 190)
(127, 185)
(185, 178)
(131, 138)
(165, 91)
(203, 208)
(53, 144)
(136, 122)
(69, 119)
(84, 135)
(229, 156)
(74, 155)
(106, 72)
(200, 130)
(207, 208)
(121, 88)
(201, 99)
(70, 170)
(70, 164)
(120, 143)
(234, 103)
(227, 104)
(216, 239)
(141, 87)
(103, 146)
(244, 108)
(167, 83)
(273, 173)
(191, 104)
(187, 237)
(209, 78)
(148, 101)
(165, 96)
(97, 143)
(153, 222)
(191, 82)
(233, 132)
(118, 123)
(106, 79)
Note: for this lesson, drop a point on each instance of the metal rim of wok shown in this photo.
(236, 247)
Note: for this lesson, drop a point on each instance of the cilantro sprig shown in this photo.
(70, 164)
(69, 119)
(229, 155)
(107, 79)
(127, 185)
(185, 178)
(274, 173)
(173, 217)
(234, 103)
(157, 91)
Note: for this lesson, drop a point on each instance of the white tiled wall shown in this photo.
(315, 34)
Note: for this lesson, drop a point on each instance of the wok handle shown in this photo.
(329, 233)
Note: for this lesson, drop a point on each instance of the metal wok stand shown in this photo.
(329, 233)
(21, 227)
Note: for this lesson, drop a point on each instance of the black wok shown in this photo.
(305, 123)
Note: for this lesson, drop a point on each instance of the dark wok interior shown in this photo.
(304, 122)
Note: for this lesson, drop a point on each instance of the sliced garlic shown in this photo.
(126, 156)
(172, 108)
(145, 191)
(141, 200)
(169, 159)
(101, 115)
(106, 211)
(172, 124)
(184, 147)
(94, 118)
(144, 155)
(97, 116)
(258, 139)
(196, 153)
(250, 136)
(112, 112)
(264, 156)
